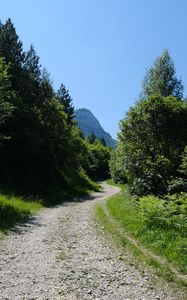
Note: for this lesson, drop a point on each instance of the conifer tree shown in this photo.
(6, 96)
(31, 63)
(91, 138)
(66, 100)
(12, 52)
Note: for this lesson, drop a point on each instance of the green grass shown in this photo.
(14, 210)
(111, 182)
(138, 256)
(162, 240)
(157, 246)
(74, 185)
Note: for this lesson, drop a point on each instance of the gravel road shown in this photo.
(63, 254)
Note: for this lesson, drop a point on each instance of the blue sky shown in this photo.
(100, 49)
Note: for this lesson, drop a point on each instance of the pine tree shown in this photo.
(31, 64)
(12, 52)
(91, 138)
(103, 142)
(6, 96)
(31, 77)
(46, 86)
(66, 100)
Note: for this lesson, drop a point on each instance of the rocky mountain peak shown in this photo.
(88, 124)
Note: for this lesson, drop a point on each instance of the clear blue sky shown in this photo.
(100, 49)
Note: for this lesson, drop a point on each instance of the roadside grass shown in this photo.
(75, 186)
(138, 255)
(155, 246)
(111, 182)
(14, 210)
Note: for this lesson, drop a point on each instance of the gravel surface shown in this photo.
(63, 254)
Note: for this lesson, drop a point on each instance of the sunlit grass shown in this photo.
(167, 246)
(164, 241)
(14, 210)
(138, 255)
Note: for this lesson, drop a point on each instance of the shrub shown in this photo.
(169, 212)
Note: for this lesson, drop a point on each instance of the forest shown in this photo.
(43, 154)
(41, 146)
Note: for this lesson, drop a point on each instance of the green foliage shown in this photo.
(179, 183)
(152, 156)
(12, 52)
(91, 138)
(158, 223)
(123, 238)
(41, 148)
(6, 94)
(153, 135)
(184, 162)
(66, 100)
(111, 182)
(97, 161)
(116, 164)
(31, 65)
(169, 212)
(161, 79)
(103, 142)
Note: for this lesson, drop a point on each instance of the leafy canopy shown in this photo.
(41, 149)
(153, 135)
(161, 79)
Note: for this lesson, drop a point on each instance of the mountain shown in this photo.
(88, 123)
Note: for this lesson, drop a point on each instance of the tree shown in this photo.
(184, 162)
(97, 163)
(161, 79)
(31, 64)
(103, 142)
(6, 96)
(12, 52)
(91, 138)
(41, 149)
(117, 164)
(66, 100)
(154, 135)
(46, 86)
(31, 78)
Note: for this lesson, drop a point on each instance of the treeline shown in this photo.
(41, 148)
(152, 152)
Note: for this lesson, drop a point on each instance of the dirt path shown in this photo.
(62, 254)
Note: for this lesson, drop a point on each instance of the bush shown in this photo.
(97, 162)
(179, 183)
(116, 165)
(169, 212)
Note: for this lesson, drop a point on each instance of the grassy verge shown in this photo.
(14, 210)
(76, 185)
(111, 182)
(160, 247)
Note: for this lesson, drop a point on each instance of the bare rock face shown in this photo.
(88, 124)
